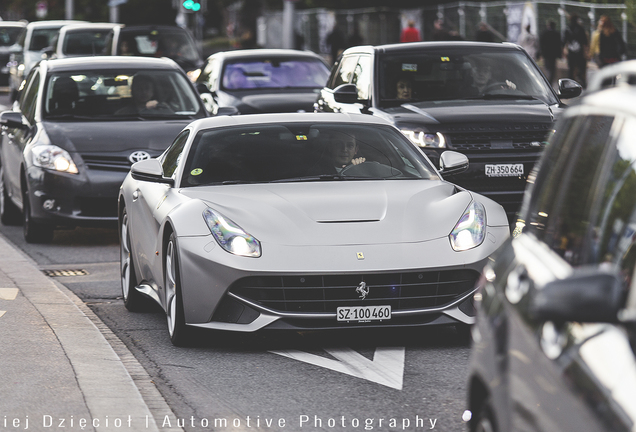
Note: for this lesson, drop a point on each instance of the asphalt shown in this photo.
(61, 368)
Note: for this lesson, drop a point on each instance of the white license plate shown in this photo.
(504, 170)
(363, 313)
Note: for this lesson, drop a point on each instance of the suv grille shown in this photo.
(513, 137)
(402, 291)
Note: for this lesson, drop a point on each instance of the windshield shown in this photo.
(85, 42)
(303, 152)
(275, 73)
(120, 94)
(176, 45)
(9, 35)
(460, 73)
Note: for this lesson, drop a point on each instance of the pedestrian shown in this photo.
(529, 42)
(336, 41)
(550, 49)
(575, 46)
(410, 33)
(439, 32)
(483, 33)
(595, 40)
(611, 44)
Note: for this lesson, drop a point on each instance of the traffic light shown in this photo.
(191, 5)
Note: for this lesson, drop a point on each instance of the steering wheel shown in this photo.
(370, 169)
(497, 86)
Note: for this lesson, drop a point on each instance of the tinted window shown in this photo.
(9, 35)
(274, 73)
(584, 198)
(461, 73)
(173, 155)
(302, 152)
(173, 44)
(85, 42)
(29, 97)
(42, 38)
(115, 94)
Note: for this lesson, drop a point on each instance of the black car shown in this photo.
(489, 101)
(555, 335)
(78, 126)
(173, 42)
(262, 81)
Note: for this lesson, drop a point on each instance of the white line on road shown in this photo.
(386, 368)
(8, 293)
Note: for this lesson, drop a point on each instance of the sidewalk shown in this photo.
(61, 368)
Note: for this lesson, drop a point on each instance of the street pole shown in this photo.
(114, 14)
(69, 10)
(288, 24)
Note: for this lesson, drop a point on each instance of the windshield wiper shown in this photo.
(492, 96)
(322, 177)
(68, 117)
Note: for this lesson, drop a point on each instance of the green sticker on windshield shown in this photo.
(196, 171)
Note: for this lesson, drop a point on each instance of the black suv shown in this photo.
(554, 344)
(489, 101)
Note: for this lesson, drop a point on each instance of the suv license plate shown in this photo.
(504, 170)
(363, 313)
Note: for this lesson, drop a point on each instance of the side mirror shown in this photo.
(12, 119)
(588, 295)
(227, 110)
(202, 88)
(569, 88)
(149, 170)
(346, 93)
(451, 163)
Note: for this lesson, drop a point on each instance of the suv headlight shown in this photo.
(470, 231)
(54, 158)
(230, 236)
(425, 139)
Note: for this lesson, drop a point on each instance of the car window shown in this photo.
(302, 152)
(345, 72)
(85, 42)
(272, 72)
(210, 73)
(28, 99)
(172, 158)
(176, 45)
(9, 35)
(120, 93)
(362, 77)
(461, 73)
(42, 38)
(584, 200)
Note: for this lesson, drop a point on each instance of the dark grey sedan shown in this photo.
(78, 126)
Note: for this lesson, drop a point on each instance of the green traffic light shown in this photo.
(192, 5)
(196, 7)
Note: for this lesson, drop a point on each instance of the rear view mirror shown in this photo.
(587, 296)
(451, 163)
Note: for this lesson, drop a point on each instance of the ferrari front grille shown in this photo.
(325, 293)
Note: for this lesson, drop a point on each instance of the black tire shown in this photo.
(133, 299)
(180, 334)
(9, 212)
(34, 232)
(484, 422)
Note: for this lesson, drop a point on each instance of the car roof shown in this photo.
(53, 23)
(416, 46)
(259, 119)
(107, 62)
(254, 53)
(152, 27)
(88, 26)
(12, 24)
(612, 100)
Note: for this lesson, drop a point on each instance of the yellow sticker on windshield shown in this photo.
(445, 58)
(196, 171)
(301, 137)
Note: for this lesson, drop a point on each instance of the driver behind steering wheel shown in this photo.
(483, 81)
(342, 150)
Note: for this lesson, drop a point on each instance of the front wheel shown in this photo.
(484, 421)
(180, 334)
(9, 213)
(34, 232)
(133, 299)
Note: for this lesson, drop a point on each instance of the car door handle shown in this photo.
(135, 195)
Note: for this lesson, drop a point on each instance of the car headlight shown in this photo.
(54, 158)
(470, 231)
(230, 236)
(425, 139)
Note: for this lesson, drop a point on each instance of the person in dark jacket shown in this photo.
(576, 46)
(550, 49)
(611, 44)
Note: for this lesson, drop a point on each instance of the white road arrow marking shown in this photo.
(7, 294)
(387, 367)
